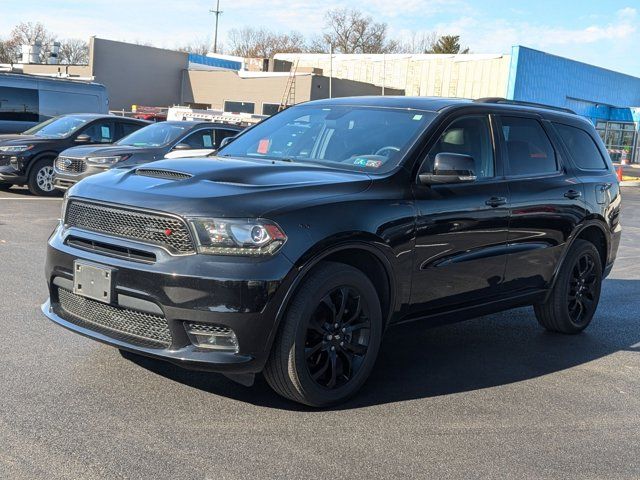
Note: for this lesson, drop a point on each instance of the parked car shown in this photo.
(26, 100)
(146, 145)
(28, 158)
(294, 249)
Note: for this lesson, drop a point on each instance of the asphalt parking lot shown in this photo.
(494, 397)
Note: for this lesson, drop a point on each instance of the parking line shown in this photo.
(29, 198)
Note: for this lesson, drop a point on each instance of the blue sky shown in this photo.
(604, 33)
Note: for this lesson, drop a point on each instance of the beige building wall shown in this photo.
(214, 88)
(136, 74)
(464, 76)
(84, 71)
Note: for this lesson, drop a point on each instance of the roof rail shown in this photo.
(504, 101)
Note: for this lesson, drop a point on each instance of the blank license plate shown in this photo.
(92, 281)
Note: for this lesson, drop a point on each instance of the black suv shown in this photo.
(147, 145)
(294, 249)
(27, 158)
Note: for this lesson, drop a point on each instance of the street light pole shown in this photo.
(217, 12)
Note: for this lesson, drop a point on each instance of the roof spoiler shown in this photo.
(504, 101)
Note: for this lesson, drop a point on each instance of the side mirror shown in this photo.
(84, 138)
(226, 141)
(182, 146)
(450, 168)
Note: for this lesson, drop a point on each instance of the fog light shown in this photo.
(212, 337)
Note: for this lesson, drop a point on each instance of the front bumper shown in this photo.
(244, 295)
(65, 180)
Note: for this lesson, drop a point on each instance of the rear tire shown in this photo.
(576, 293)
(41, 178)
(5, 186)
(329, 339)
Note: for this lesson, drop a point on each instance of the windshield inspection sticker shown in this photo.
(363, 162)
(263, 146)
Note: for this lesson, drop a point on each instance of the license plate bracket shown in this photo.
(93, 281)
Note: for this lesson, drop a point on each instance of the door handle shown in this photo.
(573, 194)
(496, 201)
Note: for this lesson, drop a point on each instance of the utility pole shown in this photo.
(217, 12)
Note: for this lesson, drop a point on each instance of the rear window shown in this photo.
(529, 150)
(583, 149)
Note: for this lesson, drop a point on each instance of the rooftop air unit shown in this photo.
(31, 53)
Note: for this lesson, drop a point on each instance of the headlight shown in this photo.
(15, 148)
(250, 237)
(112, 160)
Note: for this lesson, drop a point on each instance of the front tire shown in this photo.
(4, 187)
(576, 293)
(41, 178)
(329, 338)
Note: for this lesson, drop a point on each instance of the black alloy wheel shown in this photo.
(573, 301)
(338, 336)
(328, 341)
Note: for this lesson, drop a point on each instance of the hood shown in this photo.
(221, 187)
(85, 151)
(24, 140)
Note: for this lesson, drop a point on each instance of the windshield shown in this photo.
(156, 135)
(353, 137)
(57, 127)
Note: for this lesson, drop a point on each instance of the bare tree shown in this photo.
(74, 52)
(419, 42)
(28, 33)
(351, 31)
(263, 43)
(448, 44)
(7, 52)
(200, 46)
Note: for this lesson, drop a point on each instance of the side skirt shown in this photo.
(477, 310)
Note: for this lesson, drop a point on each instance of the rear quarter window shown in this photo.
(582, 148)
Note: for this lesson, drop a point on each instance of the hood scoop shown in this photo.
(166, 174)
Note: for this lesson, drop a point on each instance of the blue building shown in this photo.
(611, 100)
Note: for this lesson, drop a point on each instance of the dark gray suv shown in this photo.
(146, 145)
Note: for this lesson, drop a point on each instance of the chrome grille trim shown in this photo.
(134, 327)
(142, 226)
(70, 165)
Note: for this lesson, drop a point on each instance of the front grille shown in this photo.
(166, 231)
(70, 165)
(166, 174)
(131, 326)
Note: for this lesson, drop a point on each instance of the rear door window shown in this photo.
(19, 104)
(101, 132)
(582, 148)
(221, 134)
(529, 150)
(200, 139)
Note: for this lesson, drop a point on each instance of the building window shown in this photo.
(620, 140)
(270, 108)
(239, 107)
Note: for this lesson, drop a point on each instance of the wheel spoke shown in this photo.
(357, 311)
(333, 357)
(356, 348)
(329, 303)
(321, 370)
(309, 351)
(344, 295)
(356, 327)
(316, 325)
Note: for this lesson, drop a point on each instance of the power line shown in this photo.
(217, 13)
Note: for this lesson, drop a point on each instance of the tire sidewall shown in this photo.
(317, 394)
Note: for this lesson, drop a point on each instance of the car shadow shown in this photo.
(419, 362)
